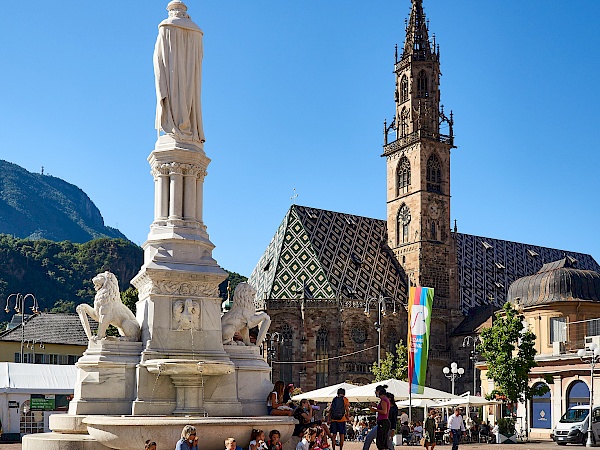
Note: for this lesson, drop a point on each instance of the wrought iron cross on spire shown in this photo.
(294, 197)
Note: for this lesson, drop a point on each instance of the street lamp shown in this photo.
(467, 342)
(590, 355)
(453, 372)
(272, 340)
(20, 309)
(381, 311)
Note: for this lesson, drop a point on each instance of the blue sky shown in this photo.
(294, 96)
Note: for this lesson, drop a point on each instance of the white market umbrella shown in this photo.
(400, 389)
(471, 400)
(325, 394)
(418, 403)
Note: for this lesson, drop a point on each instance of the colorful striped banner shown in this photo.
(420, 303)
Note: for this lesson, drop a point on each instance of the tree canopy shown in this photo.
(508, 347)
(394, 365)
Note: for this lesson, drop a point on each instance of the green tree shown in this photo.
(63, 306)
(508, 347)
(129, 298)
(394, 365)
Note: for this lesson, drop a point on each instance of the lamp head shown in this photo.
(581, 352)
(446, 370)
(454, 365)
(593, 346)
(461, 370)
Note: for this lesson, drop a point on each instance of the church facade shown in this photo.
(336, 285)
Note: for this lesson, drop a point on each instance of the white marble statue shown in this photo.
(178, 73)
(242, 316)
(108, 310)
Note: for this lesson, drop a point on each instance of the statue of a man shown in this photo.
(178, 76)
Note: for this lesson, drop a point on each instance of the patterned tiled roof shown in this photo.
(323, 254)
(487, 267)
(51, 329)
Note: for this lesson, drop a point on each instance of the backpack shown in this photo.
(338, 409)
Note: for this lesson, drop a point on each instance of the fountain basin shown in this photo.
(130, 432)
(189, 367)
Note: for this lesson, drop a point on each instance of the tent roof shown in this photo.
(37, 378)
(468, 400)
(325, 394)
(398, 388)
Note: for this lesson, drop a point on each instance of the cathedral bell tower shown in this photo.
(418, 165)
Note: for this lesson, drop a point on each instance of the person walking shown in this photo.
(393, 416)
(372, 434)
(338, 416)
(383, 422)
(429, 430)
(456, 425)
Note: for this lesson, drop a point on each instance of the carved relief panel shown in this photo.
(185, 315)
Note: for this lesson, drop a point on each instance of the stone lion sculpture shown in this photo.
(242, 316)
(108, 310)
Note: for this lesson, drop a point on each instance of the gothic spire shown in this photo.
(417, 36)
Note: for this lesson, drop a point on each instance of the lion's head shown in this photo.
(243, 297)
(107, 287)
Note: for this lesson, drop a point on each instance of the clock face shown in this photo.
(434, 210)
(404, 215)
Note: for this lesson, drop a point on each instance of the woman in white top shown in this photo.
(274, 407)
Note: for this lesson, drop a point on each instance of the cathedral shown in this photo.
(336, 285)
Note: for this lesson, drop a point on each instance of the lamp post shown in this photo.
(467, 342)
(272, 339)
(20, 300)
(590, 355)
(381, 311)
(453, 372)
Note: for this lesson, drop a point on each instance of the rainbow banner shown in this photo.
(420, 303)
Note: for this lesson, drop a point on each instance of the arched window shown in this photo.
(422, 89)
(403, 221)
(433, 231)
(286, 355)
(541, 411)
(31, 421)
(404, 122)
(578, 394)
(403, 175)
(321, 356)
(434, 174)
(403, 89)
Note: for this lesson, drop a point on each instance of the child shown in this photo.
(321, 439)
(274, 443)
(231, 444)
(308, 439)
(150, 445)
(257, 440)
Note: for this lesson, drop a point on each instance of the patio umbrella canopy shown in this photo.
(325, 394)
(400, 389)
(472, 400)
(418, 403)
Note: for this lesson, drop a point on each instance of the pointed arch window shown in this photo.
(403, 175)
(322, 356)
(404, 89)
(433, 231)
(422, 85)
(434, 174)
(392, 341)
(404, 122)
(403, 224)
(286, 354)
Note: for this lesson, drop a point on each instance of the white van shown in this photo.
(573, 426)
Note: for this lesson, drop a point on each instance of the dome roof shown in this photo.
(558, 281)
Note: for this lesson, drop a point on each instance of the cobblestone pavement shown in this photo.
(533, 445)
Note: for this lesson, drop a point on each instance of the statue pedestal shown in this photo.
(106, 378)
(253, 378)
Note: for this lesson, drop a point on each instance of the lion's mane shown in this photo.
(109, 290)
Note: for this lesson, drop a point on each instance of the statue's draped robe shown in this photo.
(178, 76)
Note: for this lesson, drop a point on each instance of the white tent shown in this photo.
(37, 378)
(469, 400)
(399, 388)
(324, 394)
(418, 403)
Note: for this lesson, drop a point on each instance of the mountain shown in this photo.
(39, 206)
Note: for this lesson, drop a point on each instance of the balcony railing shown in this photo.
(413, 137)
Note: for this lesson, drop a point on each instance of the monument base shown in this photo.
(106, 378)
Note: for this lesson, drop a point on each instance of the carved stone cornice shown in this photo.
(147, 286)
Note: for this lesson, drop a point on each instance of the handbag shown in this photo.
(422, 442)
